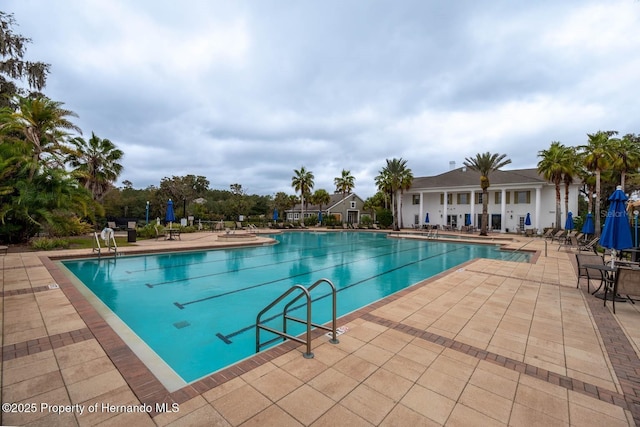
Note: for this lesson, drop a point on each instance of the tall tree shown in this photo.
(485, 164)
(344, 184)
(595, 155)
(43, 123)
(552, 165)
(13, 67)
(302, 181)
(571, 170)
(321, 198)
(96, 164)
(394, 178)
(625, 155)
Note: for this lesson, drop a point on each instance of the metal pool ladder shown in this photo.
(302, 292)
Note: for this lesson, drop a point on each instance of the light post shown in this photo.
(147, 220)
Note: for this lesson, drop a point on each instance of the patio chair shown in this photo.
(589, 273)
(627, 282)
(159, 233)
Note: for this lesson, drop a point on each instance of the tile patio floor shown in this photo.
(486, 343)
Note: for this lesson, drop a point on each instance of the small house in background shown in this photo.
(346, 209)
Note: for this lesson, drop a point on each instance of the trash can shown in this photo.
(131, 235)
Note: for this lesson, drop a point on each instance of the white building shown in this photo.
(454, 199)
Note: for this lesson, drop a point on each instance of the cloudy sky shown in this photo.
(247, 91)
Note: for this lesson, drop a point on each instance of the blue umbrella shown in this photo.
(426, 218)
(588, 227)
(616, 234)
(568, 225)
(319, 216)
(170, 215)
(527, 220)
(467, 219)
(275, 214)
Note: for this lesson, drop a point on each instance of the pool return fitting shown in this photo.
(302, 292)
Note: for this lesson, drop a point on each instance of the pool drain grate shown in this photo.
(182, 324)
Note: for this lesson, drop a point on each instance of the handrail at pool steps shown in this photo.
(519, 251)
(303, 292)
(109, 238)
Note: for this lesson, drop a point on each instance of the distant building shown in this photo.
(346, 209)
(454, 199)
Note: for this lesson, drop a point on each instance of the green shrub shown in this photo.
(385, 217)
(366, 220)
(48, 243)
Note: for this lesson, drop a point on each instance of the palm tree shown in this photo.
(596, 159)
(42, 122)
(320, 197)
(302, 181)
(625, 154)
(484, 164)
(344, 184)
(572, 169)
(553, 165)
(394, 177)
(96, 164)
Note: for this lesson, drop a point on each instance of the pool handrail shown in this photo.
(306, 292)
(308, 354)
(333, 329)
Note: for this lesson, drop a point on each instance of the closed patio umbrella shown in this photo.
(527, 220)
(616, 234)
(568, 224)
(319, 216)
(588, 227)
(275, 214)
(170, 215)
(426, 218)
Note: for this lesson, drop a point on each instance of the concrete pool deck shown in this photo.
(486, 343)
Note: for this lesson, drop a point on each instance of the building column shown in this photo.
(473, 208)
(421, 214)
(538, 208)
(443, 220)
(503, 211)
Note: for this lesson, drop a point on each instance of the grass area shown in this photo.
(88, 242)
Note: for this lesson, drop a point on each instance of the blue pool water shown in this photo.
(197, 310)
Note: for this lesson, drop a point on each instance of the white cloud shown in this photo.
(246, 92)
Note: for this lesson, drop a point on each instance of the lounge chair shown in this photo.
(548, 234)
(570, 241)
(591, 245)
(559, 235)
(627, 282)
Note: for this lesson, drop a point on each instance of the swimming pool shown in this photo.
(197, 310)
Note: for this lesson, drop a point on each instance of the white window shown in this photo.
(353, 205)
